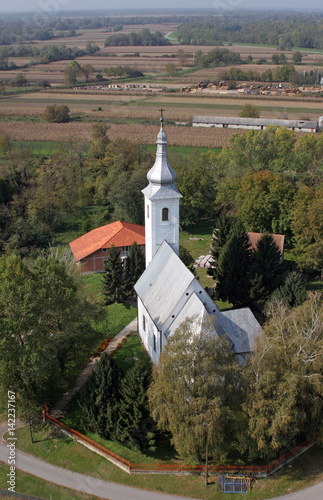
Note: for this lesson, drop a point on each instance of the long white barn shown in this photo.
(253, 123)
(167, 291)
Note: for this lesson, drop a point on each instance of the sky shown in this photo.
(57, 6)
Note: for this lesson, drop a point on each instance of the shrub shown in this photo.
(55, 113)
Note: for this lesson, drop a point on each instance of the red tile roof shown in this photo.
(278, 238)
(117, 233)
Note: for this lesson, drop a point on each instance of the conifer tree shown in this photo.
(266, 270)
(232, 272)
(220, 237)
(134, 267)
(134, 426)
(100, 400)
(293, 291)
(114, 277)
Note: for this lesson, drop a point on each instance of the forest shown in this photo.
(285, 32)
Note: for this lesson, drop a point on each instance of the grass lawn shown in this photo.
(51, 445)
(32, 485)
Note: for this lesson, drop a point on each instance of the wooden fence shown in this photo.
(178, 469)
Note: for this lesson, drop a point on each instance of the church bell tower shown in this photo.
(161, 201)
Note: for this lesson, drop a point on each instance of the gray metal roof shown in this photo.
(241, 327)
(228, 120)
(163, 284)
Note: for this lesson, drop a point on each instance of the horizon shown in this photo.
(71, 7)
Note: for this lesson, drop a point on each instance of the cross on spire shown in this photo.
(161, 115)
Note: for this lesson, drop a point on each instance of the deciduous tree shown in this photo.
(286, 402)
(196, 391)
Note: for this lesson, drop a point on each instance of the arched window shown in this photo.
(165, 214)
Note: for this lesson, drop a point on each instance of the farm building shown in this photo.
(167, 291)
(253, 123)
(91, 249)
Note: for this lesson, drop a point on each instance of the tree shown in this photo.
(297, 57)
(186, 258)
(56, 113)
(249, 111)
(265, 201)
(286, 405)
(71, 73)
(219, 238)
(5, 144)
(182, 57)
(134, 266)
(293, 291)
(306, 223)
(171, 69)
(134, 424)
(20, 80)
(99, 139)
(113, 277)
(87, 70)
(100, 399)
(45, 328)
(232, 272)
(266, 268)
(197, 391)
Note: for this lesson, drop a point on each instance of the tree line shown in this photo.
(43, 55)
(144, 37)
(285, 32)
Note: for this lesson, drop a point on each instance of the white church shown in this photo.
(167, 291)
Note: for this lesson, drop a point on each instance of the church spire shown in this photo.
(161, 173)
(161, 201)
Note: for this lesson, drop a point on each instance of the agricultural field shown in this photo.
(135, 116)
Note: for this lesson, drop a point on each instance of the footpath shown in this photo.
(82, 378)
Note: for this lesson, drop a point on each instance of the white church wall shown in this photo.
(158, 230)
(203, 296)
(148, 332)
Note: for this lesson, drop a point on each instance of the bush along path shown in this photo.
(112, 346)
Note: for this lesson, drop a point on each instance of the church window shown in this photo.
(147, 211)
(143, 322)
(154, 340)
(165, 214)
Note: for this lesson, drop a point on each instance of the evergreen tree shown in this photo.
(114, 277)
(220, 237)
(266, 269)
(293, 291)
(186, 258)
(134, 267)
(134, 426)
(232, 272)
(100, 400)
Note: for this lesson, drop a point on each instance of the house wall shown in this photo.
(94, 263)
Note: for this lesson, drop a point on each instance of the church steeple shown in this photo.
(161, 201)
